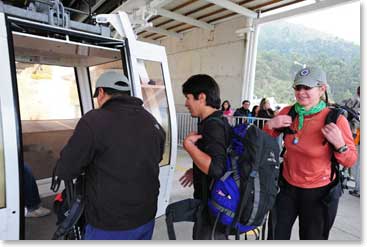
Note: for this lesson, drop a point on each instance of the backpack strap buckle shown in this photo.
(253, 174)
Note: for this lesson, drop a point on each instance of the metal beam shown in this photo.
(93, 9)
(130, 5)
(302, 10)
(234, 7)
(185, 19)
(136, 4)
(160, 3)
(165, 32)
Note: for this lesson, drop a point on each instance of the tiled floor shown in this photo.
(347, 224)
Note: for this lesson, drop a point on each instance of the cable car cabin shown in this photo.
(48, 74)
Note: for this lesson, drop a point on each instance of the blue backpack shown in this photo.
(242, 198)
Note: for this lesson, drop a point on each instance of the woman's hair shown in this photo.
(229, 105)
(262, 103)
(253, 112)
(205, 84)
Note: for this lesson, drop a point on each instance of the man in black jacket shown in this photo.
(244, 110)
(119, 147)
(207, 147)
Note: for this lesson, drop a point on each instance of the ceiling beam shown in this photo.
(302, 10)
(185, 19)
(136, 4)
(164, 32)
(234, 7)
(130, 5)
(160, 3)
(281, 6)
(175, 8)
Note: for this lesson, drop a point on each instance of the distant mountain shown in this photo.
(284, 46)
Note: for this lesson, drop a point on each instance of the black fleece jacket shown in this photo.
(119, 147)
(214, 143)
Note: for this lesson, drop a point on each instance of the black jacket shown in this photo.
(214, 143)
(241, 112)
(269, 113)
(119, 147)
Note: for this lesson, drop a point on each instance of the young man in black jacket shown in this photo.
(207, 147)
(243, 111)
(119, 147)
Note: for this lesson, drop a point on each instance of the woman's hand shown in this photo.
(279, 121)
(333, 134)
(187, 179)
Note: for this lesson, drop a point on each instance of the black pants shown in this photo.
(315, 209)
(203, 227)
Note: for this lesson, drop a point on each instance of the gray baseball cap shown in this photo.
(310, 76)
(112, 79)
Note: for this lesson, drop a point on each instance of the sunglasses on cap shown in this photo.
(300, 87)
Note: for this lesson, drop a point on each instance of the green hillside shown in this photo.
(282, 43)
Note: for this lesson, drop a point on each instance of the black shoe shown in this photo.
(354, 193)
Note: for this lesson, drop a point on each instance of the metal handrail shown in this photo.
(187, 124)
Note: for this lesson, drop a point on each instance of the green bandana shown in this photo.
(302, 112)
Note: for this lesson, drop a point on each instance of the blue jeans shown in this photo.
(356, 171)
(32, 198)
(144, 232)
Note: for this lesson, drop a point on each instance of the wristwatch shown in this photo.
(342, 149)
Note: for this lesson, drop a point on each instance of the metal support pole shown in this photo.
(253, 52)
(246, 67)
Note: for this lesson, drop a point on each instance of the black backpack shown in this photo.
(332, 117)
(258, 170)
(247, 191)
(69, 208)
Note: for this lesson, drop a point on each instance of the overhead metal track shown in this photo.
(45, 18)
(93, 9)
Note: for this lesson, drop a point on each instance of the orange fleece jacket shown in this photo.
(308, 163)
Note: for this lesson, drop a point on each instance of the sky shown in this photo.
(342, 21)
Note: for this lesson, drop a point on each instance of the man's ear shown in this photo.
(100, 92)
(202, 97)
(323, 88)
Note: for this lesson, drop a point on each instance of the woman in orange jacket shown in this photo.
(307, 189)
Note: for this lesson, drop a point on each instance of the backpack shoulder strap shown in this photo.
(227, 128)
(332, 117)
(292, 112)
(287, 130)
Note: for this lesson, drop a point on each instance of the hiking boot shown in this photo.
(354, 193)
(39, 212)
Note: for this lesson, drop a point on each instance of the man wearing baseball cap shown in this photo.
(309, 188)
(119, 147)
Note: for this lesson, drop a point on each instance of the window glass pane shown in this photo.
(96, 71)
(155, 99)
(2, 168)
(49, 110)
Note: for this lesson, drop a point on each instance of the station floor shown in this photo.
(347, 225)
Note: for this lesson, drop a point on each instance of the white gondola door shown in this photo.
(10, 213)
(152, 84)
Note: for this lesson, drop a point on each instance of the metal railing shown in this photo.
(187, 124)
